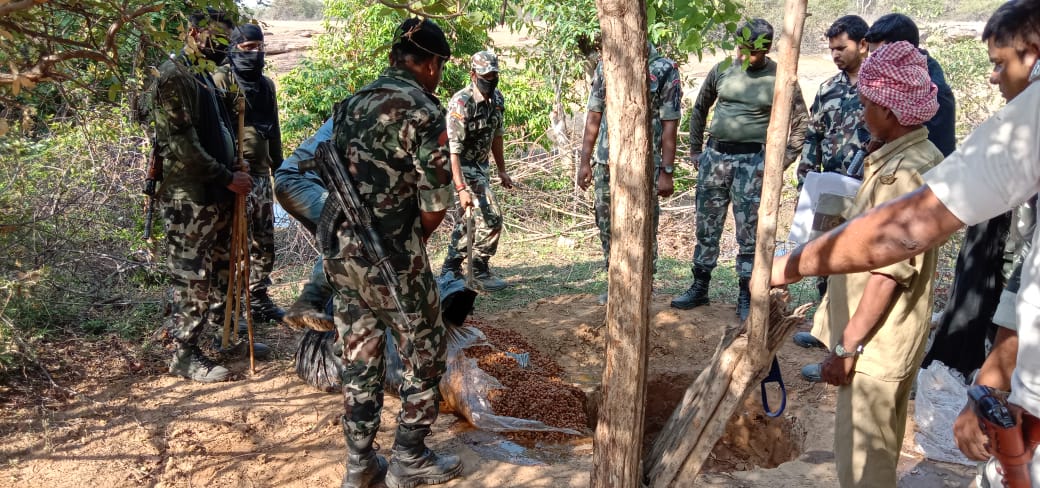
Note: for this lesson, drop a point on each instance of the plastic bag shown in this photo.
(941, 394)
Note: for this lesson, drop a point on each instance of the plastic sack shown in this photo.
(941, 394)
(464, 386)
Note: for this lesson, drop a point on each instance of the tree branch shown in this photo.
(9, 7)
(407, 6)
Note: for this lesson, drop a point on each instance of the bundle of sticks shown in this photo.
(238, 270)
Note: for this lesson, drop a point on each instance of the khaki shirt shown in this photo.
(896, 346)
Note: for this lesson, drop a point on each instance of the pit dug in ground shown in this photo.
(564, 337)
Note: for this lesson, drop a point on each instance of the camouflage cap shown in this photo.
(485, 62)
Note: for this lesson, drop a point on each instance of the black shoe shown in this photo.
(264, 309)
(365, 468)
(412, 463)
(241, 349)
(807, 340)
(697, 294)
(189, 362)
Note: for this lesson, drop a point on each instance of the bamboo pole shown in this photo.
(740, 361)
(617, 451)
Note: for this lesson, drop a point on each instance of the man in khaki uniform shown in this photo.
(876, 322)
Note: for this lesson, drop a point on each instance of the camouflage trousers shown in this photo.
(722, 179)
(197, 241)
(260, 211)
(601, 180)
(364, 309)
(487, 226)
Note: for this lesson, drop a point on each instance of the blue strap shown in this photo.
(774, 376)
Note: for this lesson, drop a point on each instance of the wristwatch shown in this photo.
(668, 169)
(840, 351)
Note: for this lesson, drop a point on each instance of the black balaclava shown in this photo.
(248, 67)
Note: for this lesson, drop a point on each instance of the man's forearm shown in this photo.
(588, 141)
(887, 234)
(877, 296)
(670, 129)
(498, 153)
(456, 171)
(996, 370)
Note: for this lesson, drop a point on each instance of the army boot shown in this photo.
(487, 280)
(365, 468)
(697, 294)
(189, 362)
(413, 464)
(744, 299)
(264, 309)
(308, 311)
(452, 265)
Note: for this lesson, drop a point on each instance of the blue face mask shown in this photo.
(247, 64)
(1034, 74)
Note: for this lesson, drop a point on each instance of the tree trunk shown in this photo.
(617, 450)
(700, 420)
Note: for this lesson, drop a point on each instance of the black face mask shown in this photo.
(486, 87)
(247, 64)
(214, 51)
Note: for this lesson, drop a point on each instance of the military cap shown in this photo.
(485, 62)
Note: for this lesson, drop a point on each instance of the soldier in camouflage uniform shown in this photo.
(475, 116)
(731, 167)
(262, 149)
(195, 135)
(391, 134)
(665, 101)
(836, 133)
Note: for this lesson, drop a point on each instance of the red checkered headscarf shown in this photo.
(896, 77)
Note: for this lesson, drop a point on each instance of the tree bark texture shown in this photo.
(741, 360)
(617, 450)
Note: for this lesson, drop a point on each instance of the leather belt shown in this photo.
(725, 147)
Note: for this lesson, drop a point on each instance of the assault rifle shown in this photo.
(343, 192)
(153, 176)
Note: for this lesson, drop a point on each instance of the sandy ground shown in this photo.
(118, 420)
(131, 425)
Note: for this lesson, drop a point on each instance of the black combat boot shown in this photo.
(264, 310)
(452, 265)
(697, 294)
(365, 468)
(413, 464)
(744, 299)
(189, 362)
(487, 280)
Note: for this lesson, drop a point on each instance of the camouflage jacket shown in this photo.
(836, 130)
(665, 102)
(473, 123)
(195, 134)
(263, 155)
(391, 134)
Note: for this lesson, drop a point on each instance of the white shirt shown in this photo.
(995, 169)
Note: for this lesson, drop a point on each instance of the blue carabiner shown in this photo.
(774, 376)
